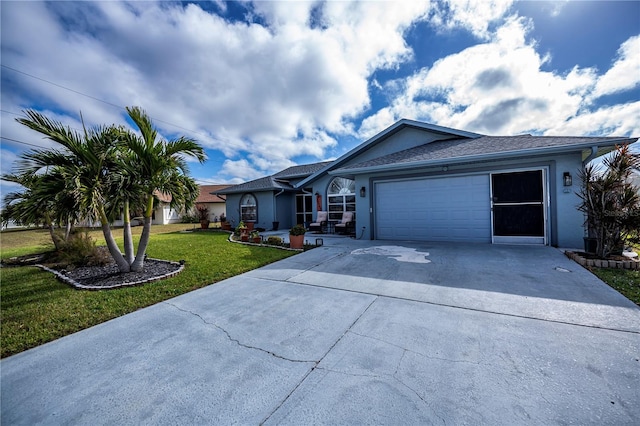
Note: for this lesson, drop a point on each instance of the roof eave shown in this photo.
(245, 190)
(485, 157)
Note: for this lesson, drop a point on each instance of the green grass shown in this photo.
(17, 242)
(625, 281)
(36, 308)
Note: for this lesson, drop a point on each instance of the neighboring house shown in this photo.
(423, 182)
(163, 214)
(213, 202)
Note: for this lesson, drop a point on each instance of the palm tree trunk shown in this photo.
(138, 263)
(67, 229)
(54, 237)
(128, 239)
(52, 232)
(123, 265)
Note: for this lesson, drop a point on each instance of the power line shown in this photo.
(60, 86)
(9, 112)
(101, 100)
(22, 142)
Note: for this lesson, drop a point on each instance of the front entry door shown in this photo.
(518, 207)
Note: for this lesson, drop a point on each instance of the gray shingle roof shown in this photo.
(465, 148)
(300, 171)
(267, 183)
(278, 181)
(384, 134)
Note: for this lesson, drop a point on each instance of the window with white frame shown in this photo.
(248, 208)
(341, 197)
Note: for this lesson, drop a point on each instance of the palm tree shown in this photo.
(107, 171)
(44, 200)
(611, 202)
(160, 166)
(126, 193)
(85, 164)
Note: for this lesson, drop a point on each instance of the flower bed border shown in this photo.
(70, 281)
(630, 264)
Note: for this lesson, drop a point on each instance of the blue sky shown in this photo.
(267, 85)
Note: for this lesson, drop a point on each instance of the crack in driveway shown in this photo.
(415, 352)
(316, 364)
(238, 342)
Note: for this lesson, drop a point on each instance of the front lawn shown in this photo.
(18, 242)
(36, 308)
(624, 281)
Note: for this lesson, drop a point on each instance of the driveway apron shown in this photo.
(353, 332)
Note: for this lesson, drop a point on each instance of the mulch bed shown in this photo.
(103, 277)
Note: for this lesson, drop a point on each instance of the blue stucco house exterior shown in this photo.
(417, 181)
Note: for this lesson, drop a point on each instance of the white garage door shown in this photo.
(436, 209)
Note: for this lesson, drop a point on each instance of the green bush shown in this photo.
(81, 250)
(611, 202)
(297, 230)
(274, 241)
(188, 218)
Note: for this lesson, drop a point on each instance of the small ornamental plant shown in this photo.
(274, 241)
(203, 212)
(239, 229)
(296, 237)
(255, 237)
(297, 230)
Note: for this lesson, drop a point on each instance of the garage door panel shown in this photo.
(439, 209)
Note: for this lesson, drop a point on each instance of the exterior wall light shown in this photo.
(363, 192)
(567, 179)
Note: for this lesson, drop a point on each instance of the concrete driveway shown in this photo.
(355, 332)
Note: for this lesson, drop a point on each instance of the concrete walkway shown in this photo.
(353, 332)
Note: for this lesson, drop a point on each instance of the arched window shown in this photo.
(248, 208)
(341, 197)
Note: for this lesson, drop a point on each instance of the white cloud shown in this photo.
(625, 72)
(500, 87)
(472, 15)
(616, 120)
(7, 159)
(241, 170)
(25, 139)
(274, 91)
(292, 82)
(556, 7)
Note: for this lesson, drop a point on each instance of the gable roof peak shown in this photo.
(403, 122)
(386, 133)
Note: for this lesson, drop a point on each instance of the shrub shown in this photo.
(203, 212)
(610, 202)
(274, 241)
(81, 250)
(239, 228)
(188, 218)
(297, 230)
